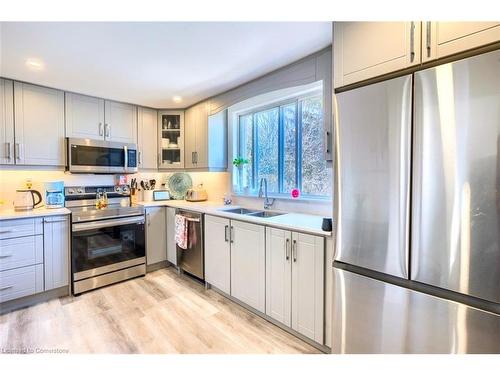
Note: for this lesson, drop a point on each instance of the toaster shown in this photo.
(197, 194)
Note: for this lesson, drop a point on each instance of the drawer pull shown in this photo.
(5, 255)
(6, 287)
(5, 231)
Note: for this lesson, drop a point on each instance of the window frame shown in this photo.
(278, 104)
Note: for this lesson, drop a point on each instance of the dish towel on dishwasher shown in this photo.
(181, 231)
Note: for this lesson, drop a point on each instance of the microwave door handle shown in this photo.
(125, 150)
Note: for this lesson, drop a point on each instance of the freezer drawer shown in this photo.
(373, 144)
(456, 189)
(371, 316)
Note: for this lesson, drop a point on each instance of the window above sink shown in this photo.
(282, 140)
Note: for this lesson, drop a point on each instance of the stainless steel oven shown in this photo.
(107, 245)
(93, 156)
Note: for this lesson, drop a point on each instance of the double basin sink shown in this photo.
(255, 213)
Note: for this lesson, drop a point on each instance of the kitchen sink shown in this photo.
(241, 211)
(265, 214)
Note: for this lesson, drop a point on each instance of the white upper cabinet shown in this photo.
(147, 138)
(39, 125)
(196, 136)
(440, 39)
(120, 122)
(6, 122)
(364, 50)
(84, 116)
(190, 120)
(171, 139)
(205, 138)
(217, 253)
(248, 264)
(95, 118)
(308, 262)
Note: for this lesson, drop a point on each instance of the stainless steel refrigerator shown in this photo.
(417, 259)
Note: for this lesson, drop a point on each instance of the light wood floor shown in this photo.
(161, 313)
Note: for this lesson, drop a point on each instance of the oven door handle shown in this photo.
(79, 227)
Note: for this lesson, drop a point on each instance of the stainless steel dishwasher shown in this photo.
(192, 259)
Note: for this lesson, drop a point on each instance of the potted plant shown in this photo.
(239, 163)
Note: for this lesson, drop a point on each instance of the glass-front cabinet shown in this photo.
(171, 139)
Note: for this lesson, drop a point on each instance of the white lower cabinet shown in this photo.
(34, 256)
(21, 282)
(171, 245)
(218, 253)
(279, 275)
(248, 264)
(307, 285)
(21, 252)
(156, 235)
(295, 281)
(275, 271)
(56, 240)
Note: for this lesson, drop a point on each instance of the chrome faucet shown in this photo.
(268, 202)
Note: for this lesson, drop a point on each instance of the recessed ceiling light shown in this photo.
(35, 64)
(177, 99)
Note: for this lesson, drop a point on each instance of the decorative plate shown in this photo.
(178, 184)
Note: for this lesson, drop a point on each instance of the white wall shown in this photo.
(11, 179)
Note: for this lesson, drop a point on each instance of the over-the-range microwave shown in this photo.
(94, 156)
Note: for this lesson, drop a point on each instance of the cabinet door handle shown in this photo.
(196, 157)
(226, 227)
(412, 41)
(6, 287)
(7, 145)
(139, 157)
(107, 130)
(192, 157)
(428, 38)
(327, 143)
(17, 151)
(294, 250)
(100, 129)
(231, 234)
(5, 255)
(148, 219)
(5, 231)
(287, 249)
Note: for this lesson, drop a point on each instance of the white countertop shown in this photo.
(291, 221)
(10, 213)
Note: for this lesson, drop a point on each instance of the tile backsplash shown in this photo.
(216, 183)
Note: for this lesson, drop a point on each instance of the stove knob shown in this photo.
(80, 191)
(118, 189)
(70, 191)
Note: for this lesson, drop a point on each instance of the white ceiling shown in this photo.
(149, 63)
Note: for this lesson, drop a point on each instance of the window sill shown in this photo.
(285, 198)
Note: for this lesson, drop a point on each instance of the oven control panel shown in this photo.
(86, 192)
